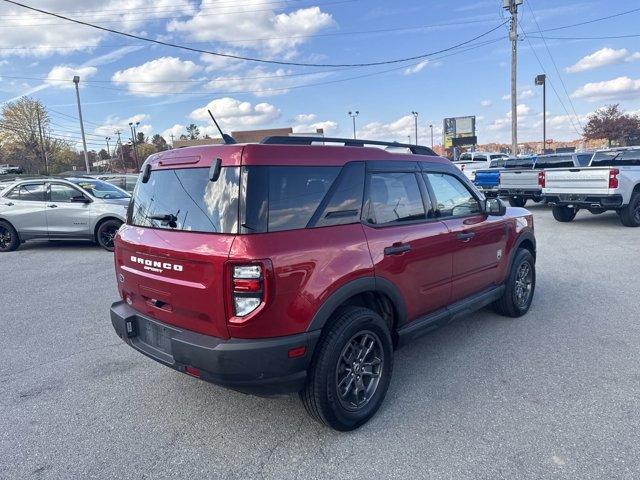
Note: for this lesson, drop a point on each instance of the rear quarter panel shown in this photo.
(308, 266)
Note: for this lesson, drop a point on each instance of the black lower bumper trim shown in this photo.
(258, 367)
(528, 194)
(606, 202)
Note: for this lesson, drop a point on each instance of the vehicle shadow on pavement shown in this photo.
(54, 245)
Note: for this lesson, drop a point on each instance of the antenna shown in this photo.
(227, 139)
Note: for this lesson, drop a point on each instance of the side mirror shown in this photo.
(80, 199)
(495, 207)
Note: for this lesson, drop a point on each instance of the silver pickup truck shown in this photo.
(610, 182)
(77, 208)
(520, 179)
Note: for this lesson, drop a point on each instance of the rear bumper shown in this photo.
(488, 191)
(528, 193)
(609, 202)
(259, 367)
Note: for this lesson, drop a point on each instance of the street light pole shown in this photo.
(431, 127)
(353, 116)
(76, 80)
(133, 140)
(542, 80)
(415, 121)
(109, 153)
(124, 167)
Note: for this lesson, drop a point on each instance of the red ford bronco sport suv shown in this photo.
(288, 266)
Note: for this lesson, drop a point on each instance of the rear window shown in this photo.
(185, 199)
(522, 163)
(555, 161)
(465, 157)
(584, 159)
(615, 158)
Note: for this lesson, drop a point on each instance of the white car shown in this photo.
(469, 162)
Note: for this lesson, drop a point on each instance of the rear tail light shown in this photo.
(613, 178)
(542, 179)
(246, 289)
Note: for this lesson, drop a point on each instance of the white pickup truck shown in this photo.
(469, 162)
(520, 179)
(610, 182)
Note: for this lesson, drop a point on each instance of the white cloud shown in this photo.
(176, 130)
(61, 76)
(397, 130)
(599, 58)
(526, 93)
(615, 89)
(485, 103)
(633, 57)
(113, 123)
(329, 127)
(305, 117)
(236, 115)
(416, 68)
(163, 69)
(522, 109)
(26, 34)
(278, 33)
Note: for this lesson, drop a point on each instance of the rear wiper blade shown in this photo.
(164, 217)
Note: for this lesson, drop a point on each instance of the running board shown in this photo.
(423, 325)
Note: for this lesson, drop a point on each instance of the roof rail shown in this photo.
(348, 142)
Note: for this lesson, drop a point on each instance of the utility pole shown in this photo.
(172, 141)
(353, 116)
(431, 127)
(124, 167)
(133, 140)
(76, 80)
(512, 7)
(45, 158)
(415, 121)
(109, 153)
(542, 80)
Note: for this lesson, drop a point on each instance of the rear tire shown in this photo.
(106, 233)
(564, 214)
(630, 215)
(9, 239)
(351, 369)
(517, 201)
(520, 286)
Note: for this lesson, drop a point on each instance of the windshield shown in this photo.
(614, 158)
(99, 189)
(185, 199)
(522, 163)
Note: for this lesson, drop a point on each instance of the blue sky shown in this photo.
(165, 89)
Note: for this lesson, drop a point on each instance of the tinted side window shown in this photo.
(394, 198)
(63, 193)
(480, 158)
(29, 192)
(452, 196)
(614, 158)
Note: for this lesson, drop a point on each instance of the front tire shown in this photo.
(351, 370)
(9, 239)
(564, 214)
(517, 201)
(520, 286)
(106, 233)
(630, 215)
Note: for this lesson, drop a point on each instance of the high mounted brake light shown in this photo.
(542, 179)
(613, 178)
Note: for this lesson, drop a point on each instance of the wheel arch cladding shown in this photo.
(388, 301)
(527, 241)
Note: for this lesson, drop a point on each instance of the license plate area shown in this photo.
(155, 335)
(571, 198)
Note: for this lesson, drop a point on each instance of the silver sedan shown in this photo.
(73, 208)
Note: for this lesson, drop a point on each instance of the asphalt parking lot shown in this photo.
(554, 394)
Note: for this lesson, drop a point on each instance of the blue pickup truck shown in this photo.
(488, 180)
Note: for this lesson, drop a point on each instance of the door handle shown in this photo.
(466, 236)
(52, 206)
(397, 249)
(9, 204)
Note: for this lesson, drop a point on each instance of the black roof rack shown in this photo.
(348, 142)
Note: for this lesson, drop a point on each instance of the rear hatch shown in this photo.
(487, 178)
(170, 256)
(519, 179)
(588, 180)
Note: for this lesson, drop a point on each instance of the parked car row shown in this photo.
(605, 180)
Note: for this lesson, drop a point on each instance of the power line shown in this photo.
(589, 21)
(555, 66)
(603, 37)
(147, 17)
(251, 59)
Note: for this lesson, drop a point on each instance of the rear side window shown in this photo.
(554, 161)
(452, 196)
(521, 163)
(283, 198)
(616, 158)
(394, 198)
(480, 158)
(30, 192)
(185, 199)
(465, 157)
